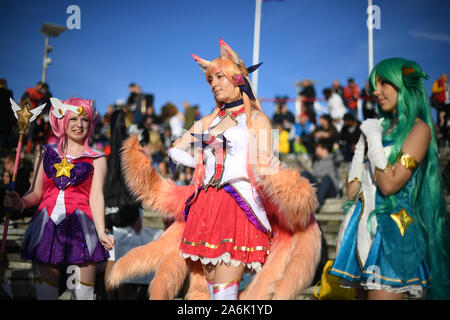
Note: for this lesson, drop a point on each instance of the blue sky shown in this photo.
(150, 42)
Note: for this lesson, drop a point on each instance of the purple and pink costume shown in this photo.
(62, 231)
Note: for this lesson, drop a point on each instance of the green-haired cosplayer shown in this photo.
(395, 238)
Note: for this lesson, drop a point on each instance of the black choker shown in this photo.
(233, 104)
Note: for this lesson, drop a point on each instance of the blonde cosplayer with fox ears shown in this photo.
(243, 212)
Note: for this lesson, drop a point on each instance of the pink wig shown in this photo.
(59, 126)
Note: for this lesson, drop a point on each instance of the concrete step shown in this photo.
(330, 227)
(326, 217)
(16, 232)
(307, 294)
(152, 219)
(19, 274)
(19, 265)
(14, 257)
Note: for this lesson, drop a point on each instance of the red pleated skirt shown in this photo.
(217, 229)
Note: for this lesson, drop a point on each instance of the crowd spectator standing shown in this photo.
(440, 101)
(348, 136)
(39, 130)
(190, 115)
(136, 102)
(369, 109)
(7, 119)
(337, 88)
(35, 94)
(351, 96)
(336, 107)
(308, 95)
(176, 121)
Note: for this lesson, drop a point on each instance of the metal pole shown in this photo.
(370, 31)
(44, 63)
(256, 37)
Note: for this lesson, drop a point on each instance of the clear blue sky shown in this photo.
(150, 42)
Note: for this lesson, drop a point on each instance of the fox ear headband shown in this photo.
(60, 108)
(240, 79)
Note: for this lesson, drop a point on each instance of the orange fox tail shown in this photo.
(304, 257)
(290, 266)
(148, 186)
(146, 258)
(289, 199)
(171, 272)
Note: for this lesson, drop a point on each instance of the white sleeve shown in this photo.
(181, 157)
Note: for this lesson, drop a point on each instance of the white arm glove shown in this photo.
(181, 157)
(373, 130)
(356, 169)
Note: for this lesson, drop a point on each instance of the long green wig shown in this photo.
(427, 198)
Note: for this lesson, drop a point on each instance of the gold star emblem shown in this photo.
(63, 168)
(403, 220)
(81, 111)
(24, 115)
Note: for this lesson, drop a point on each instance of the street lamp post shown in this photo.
(256, 37)
(49, 30)
(370, 36)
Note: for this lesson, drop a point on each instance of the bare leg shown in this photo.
(48, 273)
(46, 281)
(85, 281)
(87, 273)
(209, 271)
(226, 281)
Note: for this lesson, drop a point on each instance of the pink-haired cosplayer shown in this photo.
(59, 121)
(68, 227)
(243, 212)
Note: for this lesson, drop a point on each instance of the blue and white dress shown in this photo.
(392, 255)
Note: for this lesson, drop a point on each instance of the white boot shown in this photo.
(210, 288)
(44, 290)
(83, 291)
(226, 291)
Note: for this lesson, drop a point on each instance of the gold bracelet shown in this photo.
(409, 162)
(382, 170)
(355, 179)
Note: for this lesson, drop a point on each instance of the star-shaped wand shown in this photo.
(24, 115)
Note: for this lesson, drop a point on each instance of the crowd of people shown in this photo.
(313, 128)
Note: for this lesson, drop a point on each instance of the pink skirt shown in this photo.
(218, 230)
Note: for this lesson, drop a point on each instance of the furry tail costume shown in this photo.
(290, 267)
